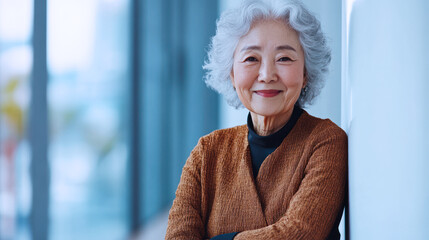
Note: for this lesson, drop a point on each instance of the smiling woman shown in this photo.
(283, 175)
(268, 74)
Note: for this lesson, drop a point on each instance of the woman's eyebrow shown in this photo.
(285, 47)
(254, 47)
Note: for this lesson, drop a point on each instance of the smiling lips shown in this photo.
(268, 93)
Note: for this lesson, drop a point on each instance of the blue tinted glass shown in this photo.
(87, 99)
(15, 70)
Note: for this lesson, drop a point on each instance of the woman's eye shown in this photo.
(285, 59)
(251, 59)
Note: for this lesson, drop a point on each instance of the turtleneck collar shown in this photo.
(274, 140)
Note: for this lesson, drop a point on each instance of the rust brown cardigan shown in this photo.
(298, 192)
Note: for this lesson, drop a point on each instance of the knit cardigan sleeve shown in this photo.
(185, 219)
(314, 208)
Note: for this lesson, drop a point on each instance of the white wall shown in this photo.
(386, 112)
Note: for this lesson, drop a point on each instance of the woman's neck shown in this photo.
(267, 125)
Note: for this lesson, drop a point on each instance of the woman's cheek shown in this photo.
(246, 78)
(245, 84)
(292, 78)
(240, 80)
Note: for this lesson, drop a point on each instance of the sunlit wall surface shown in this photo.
(386, 112)
(88, 61)
(15, 71)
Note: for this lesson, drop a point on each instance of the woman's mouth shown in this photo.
(268, 93)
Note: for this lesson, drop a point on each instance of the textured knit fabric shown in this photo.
(298, 193)
(262, 146)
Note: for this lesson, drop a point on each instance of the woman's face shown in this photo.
(268, 69)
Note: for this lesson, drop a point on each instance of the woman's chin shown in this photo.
(266, 112)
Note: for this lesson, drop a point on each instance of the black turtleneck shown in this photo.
(262, 146)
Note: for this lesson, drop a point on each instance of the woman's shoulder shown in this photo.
(318, 126)
(229, 139)
(225, 135)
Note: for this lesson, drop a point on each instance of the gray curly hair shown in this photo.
(235, 23)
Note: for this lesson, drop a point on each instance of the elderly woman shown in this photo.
(283, 175)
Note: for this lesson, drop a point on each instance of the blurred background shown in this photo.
(101, 102)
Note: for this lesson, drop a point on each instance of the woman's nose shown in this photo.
(267, 72)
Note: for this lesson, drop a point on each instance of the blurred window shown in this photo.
(177, 108)
(88, 59)
(15, 70)
(126, 103)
